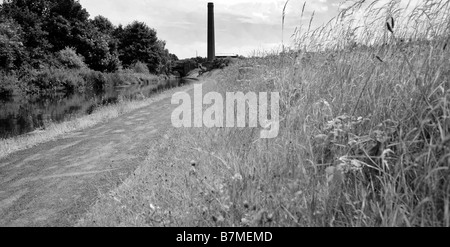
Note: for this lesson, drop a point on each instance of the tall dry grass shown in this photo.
(364, 139)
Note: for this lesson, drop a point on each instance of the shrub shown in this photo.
(51, 79)
(122, 78)
(220, 63)
(140, 67)
(94, 79)
(115, 79)
(130, 77)
(8, 86)
(70, 59)
(145, 78)
(70, 80)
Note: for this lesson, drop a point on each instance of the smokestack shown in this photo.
(211, 40)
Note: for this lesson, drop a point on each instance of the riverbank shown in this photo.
(21, 115)
(56, 182)
(99, 115)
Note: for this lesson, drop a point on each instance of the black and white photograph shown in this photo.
(248, 115)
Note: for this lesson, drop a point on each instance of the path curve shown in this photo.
(55, 183)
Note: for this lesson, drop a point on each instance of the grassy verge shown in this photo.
(361, 144)
(55, 130)
(364, 139)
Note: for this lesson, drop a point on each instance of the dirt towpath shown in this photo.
(55, 183)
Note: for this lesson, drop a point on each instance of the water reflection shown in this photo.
(19, 115)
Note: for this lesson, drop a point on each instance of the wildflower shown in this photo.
(237, 176)
(356, 164)
(349, 165)
(221, 219)
(270, 217)
(245, 221)
(380, 136)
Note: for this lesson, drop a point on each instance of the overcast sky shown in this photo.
(242, 26)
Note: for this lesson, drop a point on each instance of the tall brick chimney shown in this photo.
(211, 39)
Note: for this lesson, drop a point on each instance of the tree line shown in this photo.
(39, 34)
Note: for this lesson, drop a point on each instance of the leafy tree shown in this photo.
(163, 65)
(173, 57)
(70, 26)
(118, 32)
(46, 27)
(12, 51)
(70, 10)
(138, 42)
(103, 25)
(167, 59)
(51, 25)
(29, 14)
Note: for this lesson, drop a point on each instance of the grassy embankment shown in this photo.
(364, 141)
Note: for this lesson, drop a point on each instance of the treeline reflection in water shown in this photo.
(20, 115)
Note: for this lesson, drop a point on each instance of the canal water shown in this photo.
(21, 115)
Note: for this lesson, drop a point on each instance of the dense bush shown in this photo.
(145, 78)
(70, 59)
(53, 80)
(8, 85)
(140, 67)
(128, 77)
(95, 80)
(220, 63)
(121, 78)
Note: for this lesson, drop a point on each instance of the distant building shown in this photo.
(226, 55)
